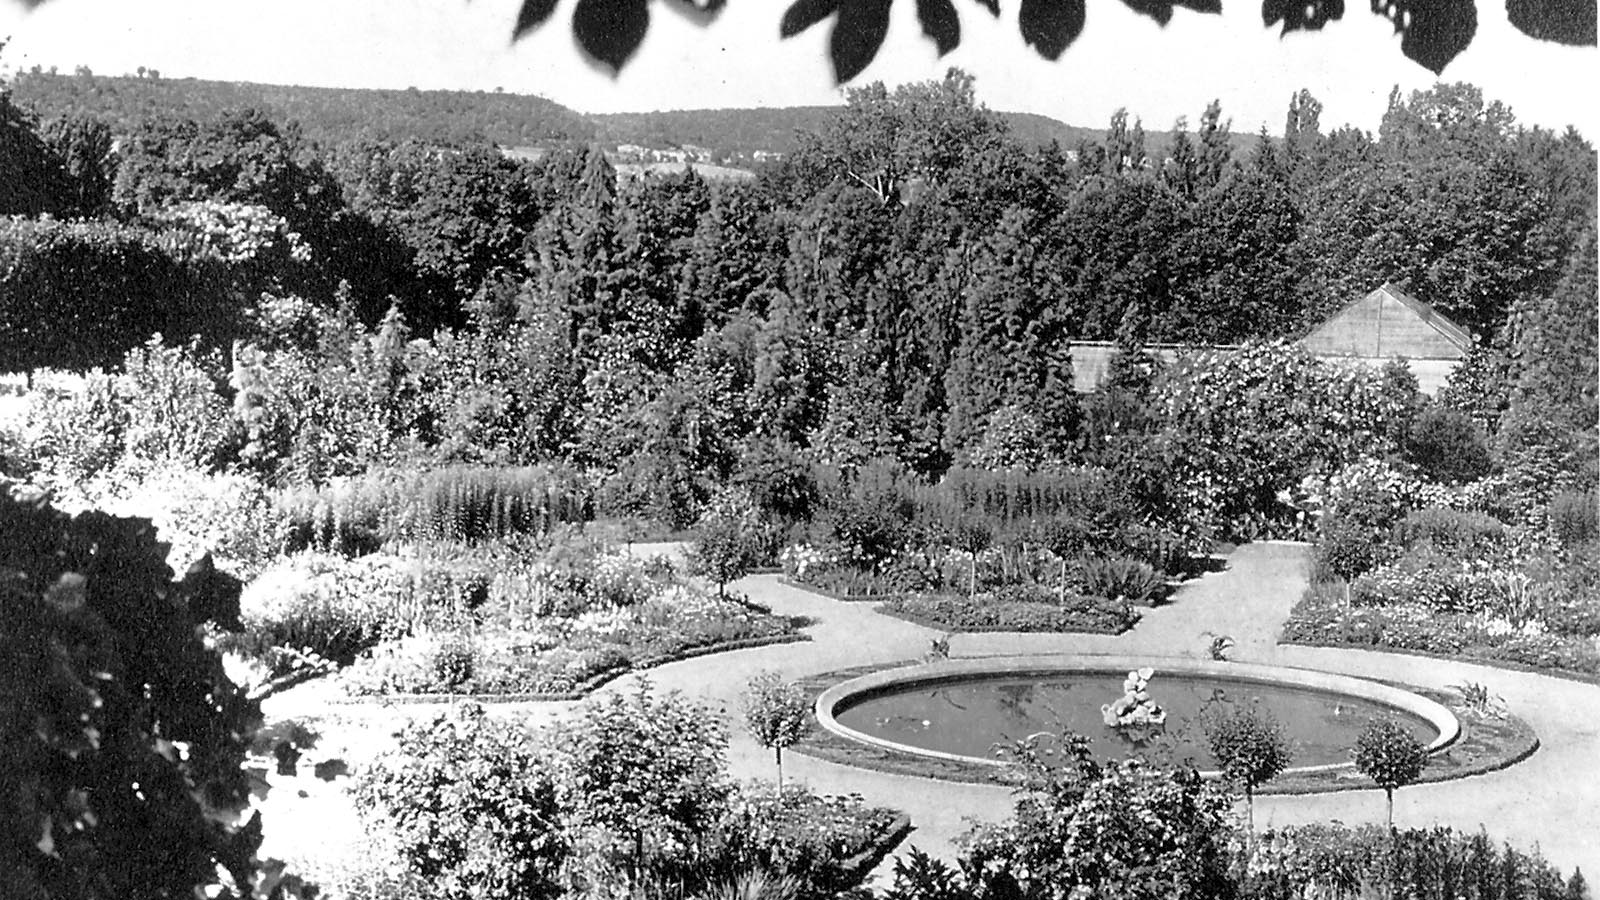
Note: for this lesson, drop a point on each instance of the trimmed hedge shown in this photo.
(75, 295)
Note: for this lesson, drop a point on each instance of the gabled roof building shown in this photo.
(1385, 324)
(1389, 323)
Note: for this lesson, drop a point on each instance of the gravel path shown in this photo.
(1551, 800)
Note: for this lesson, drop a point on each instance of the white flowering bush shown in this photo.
(800, 561)
(230, 232)
(1369, 486)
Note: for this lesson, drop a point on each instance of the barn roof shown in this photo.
(1388, 323)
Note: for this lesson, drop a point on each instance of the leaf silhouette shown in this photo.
(1161, 10)
(858, 32)
(1562, 21)
(531, 15)
(610, 30)
(1050, 26)
(993, 6)
(1432, 32)
(803, 14)
(940, 23)
(1301, 15)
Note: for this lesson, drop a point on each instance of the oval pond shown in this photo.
(970, 716)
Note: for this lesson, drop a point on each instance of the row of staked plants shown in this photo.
(1058, 549)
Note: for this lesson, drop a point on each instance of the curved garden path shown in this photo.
(1552, 799)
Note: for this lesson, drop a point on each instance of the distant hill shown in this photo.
(326, 115)
(737, 133)
(332, 115)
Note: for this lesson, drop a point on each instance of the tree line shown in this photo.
(903, 286)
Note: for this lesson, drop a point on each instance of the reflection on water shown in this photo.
(970, 718)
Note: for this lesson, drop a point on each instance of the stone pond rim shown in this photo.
(1441, 719)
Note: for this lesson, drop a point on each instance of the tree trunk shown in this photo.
(777, 754)
(972, 577)
(1249, 820)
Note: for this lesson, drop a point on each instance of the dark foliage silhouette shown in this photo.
(1433, 32)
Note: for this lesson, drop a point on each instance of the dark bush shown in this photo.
(1448, 446)
(74, 295)
(102, 670)
(1575, 518)
(779, 481)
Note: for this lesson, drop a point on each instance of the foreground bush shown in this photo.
(1086, 829)
(815, 841)
(630, 796)
(103, 676)
(470, 803)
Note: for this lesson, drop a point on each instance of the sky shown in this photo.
(1121, 59)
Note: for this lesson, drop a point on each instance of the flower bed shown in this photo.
(561, 656)
(827, 844)
(554, 619)
(1406, 566)
(1013, 611)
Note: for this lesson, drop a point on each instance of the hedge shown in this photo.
(75, 295)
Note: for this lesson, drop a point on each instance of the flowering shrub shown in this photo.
(1122, 829)
(228, 515)
(328, 604)
(1426, 581)
(1372, 490)
(471, 805)
(229, 232)
(1241, 426)
(799, 561)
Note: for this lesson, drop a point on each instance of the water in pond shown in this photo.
(970, 717)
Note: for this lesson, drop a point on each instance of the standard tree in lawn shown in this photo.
(778, 715)
(1390, 756)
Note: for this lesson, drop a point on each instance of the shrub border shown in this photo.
(858, 868)
(823, 744)
(1471, 659)
(584, 688)
(1154, 601)
(927, 622)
